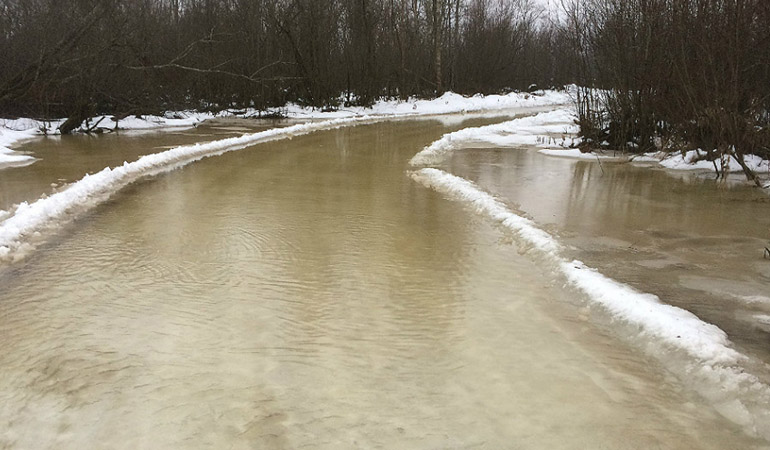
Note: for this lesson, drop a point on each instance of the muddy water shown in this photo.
(695, 242)
(64, 159)
(307, 293)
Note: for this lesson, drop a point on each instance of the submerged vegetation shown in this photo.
(655, 75)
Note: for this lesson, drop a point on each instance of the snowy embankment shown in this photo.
(694, 160)
(14, 131)
(542, 129)
(20, 227)
(698, 352)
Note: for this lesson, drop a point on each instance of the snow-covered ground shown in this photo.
(9, 137)
(446, 104)
(14, 131)
(693, 160)
(544, 129)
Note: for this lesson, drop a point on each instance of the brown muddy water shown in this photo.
(64, 159)
(695, 242)
(306, 293)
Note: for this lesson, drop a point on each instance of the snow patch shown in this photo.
(534, 130)
(693, 160)
(574, 153)
(8, 137)
(448, 103)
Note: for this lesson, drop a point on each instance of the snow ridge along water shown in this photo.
(8, 157)
(540, 129)
(698, 352)
(29, 219)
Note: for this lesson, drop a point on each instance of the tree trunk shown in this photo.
(438, 7)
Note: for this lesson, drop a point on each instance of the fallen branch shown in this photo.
(93, 127)
(750, 175)
(251, 79)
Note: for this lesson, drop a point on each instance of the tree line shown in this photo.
(77, 58)
(674, 74)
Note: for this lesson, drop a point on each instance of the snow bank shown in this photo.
(179, 119)
(692, 161)
(574, 153)
(711, 365)
(537, 130)
(29, 219)
(8, 137)
(446, 104)
(558, 129)
(675, 326)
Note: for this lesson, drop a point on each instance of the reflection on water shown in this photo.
(306, 293)
(694, 242)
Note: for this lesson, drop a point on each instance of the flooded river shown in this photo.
(307, 293)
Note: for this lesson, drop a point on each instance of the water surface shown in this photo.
(307, 294)
(695, 242)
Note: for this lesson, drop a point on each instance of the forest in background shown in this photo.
(654, 74)
(64, 58)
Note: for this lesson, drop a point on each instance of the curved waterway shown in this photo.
(307, 293)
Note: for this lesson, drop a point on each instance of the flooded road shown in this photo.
(306, 293)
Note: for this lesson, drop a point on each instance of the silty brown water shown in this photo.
(695, 242)
(307, 293)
